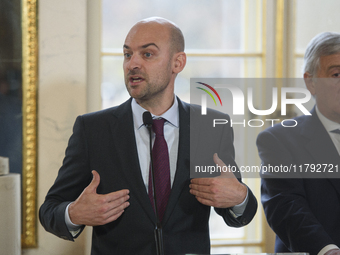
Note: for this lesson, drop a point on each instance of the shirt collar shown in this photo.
(327, 123)
(170, 115)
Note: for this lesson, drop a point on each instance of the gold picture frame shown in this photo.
(29, 113)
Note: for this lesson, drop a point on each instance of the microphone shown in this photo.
(147, 120)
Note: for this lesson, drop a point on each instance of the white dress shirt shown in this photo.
(171, 135)
(330, 126)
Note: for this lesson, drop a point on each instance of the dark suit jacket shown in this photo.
(303, 212)
(105, 141)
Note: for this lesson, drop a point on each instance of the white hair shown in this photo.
(323, 44)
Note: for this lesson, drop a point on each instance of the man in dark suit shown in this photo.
(111, 147)
(302, 210)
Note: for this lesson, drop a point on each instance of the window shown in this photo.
(307, 26)
(228, 39)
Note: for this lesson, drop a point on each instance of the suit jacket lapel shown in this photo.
(320, 145)
(182, 176)
(125, 146)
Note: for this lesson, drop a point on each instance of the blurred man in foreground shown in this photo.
(304, 211)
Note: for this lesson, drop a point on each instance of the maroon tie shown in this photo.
(161, 168)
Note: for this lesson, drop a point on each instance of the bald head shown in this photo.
(175, 35)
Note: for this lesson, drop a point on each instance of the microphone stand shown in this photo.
(158, 228)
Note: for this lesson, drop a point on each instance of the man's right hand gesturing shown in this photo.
(94, 209)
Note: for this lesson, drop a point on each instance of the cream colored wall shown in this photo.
(62, 95)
